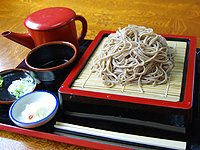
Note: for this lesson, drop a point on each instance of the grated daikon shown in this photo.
(35, 111)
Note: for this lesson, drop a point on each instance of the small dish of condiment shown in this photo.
(14, 83)
(34, 109)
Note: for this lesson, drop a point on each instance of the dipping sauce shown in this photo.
(53, 63)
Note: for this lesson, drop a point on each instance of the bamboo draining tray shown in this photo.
(169, 91)
(179, 93)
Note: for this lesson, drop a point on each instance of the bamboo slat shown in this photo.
(158, 92)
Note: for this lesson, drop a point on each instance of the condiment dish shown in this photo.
(10, 75)
(34, 109)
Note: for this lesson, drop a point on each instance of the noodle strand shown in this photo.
(134, 54)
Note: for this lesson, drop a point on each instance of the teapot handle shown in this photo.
(84, 28)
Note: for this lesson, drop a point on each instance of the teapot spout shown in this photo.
(23, 39)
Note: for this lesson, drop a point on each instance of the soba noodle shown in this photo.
(134, 54)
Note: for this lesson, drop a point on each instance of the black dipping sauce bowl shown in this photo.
(50, 63)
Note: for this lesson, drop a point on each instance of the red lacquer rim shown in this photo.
(189, 84)
(58, 138)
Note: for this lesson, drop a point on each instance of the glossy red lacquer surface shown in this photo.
(50, 24)
(55, 24)
(49, 18)
(189, 85)
(59, 138)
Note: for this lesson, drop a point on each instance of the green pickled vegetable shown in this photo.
(1, 81)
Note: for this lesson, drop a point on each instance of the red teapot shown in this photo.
(50, 24)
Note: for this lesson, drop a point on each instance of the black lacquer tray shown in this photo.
(191, 134)
(4, 108)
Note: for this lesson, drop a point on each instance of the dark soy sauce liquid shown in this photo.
(54, 63)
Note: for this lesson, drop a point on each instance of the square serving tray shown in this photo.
(181, 84)
(73, 117)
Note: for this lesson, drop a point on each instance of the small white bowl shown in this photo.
(45, 100)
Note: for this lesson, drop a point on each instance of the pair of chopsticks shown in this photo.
(130, 138)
